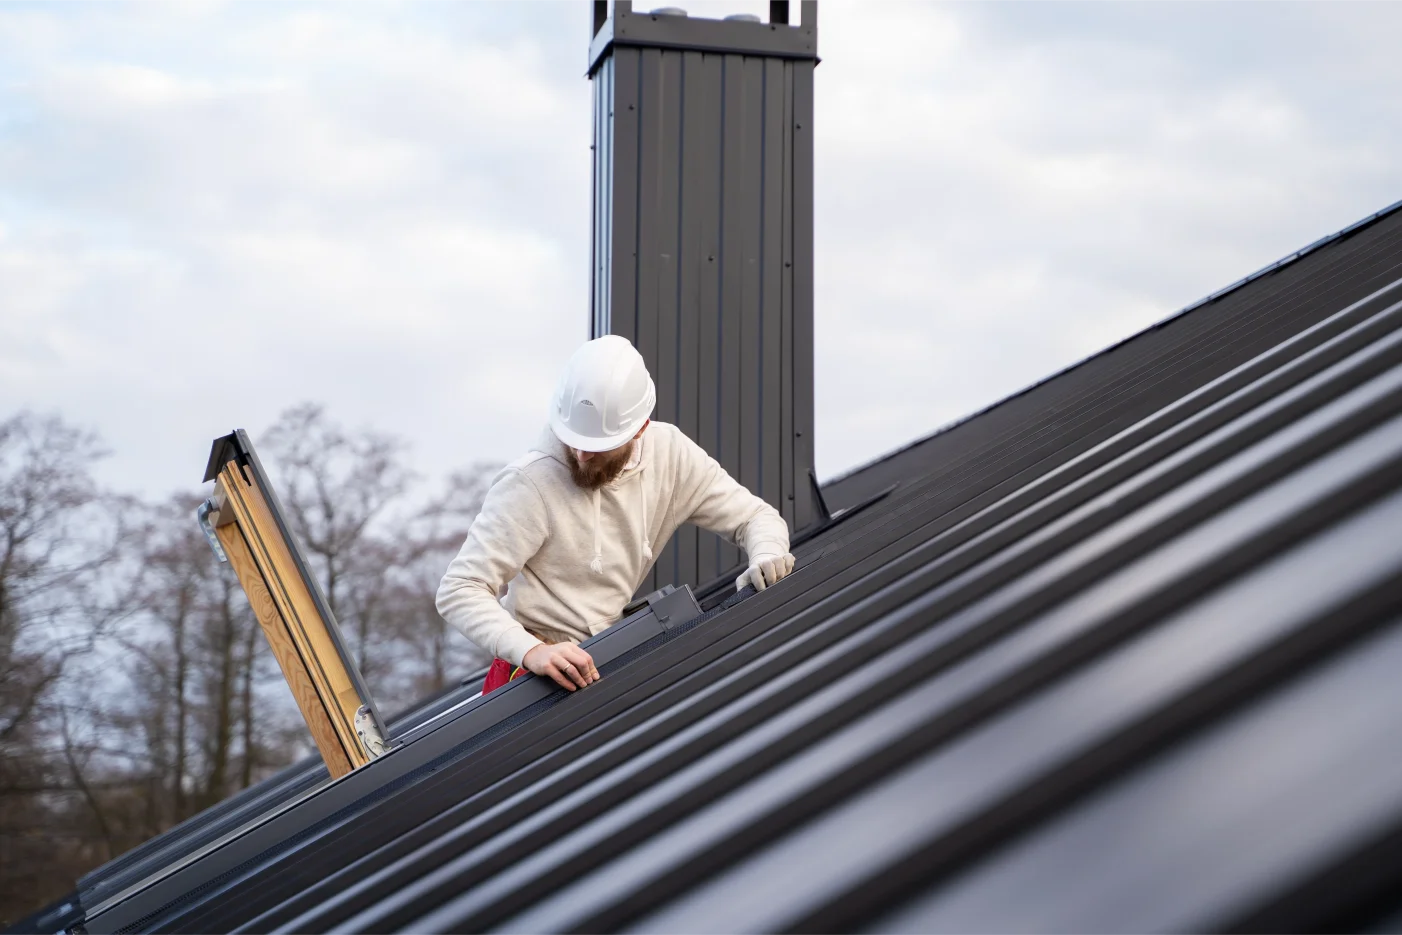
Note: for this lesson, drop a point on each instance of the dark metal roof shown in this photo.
(1119, 653)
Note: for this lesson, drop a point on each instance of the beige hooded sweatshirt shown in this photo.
(568, 559)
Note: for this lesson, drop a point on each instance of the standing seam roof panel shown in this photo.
(1083, 587)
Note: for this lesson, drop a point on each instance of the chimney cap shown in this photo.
(672, 28)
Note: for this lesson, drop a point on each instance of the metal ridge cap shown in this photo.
(1212, 297)
(1278, 264)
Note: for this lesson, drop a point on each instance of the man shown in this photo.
(565, 536)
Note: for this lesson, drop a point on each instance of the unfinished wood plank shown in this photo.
(304, 625)
(294, 668)
(303, 603)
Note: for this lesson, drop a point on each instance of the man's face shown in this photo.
(593, 469)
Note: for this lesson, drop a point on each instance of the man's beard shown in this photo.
(601, 469)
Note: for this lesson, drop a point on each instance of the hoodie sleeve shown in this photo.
(718, 503)
(506, 534)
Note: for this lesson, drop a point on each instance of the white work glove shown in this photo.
(764, 570)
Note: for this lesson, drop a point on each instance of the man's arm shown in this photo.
(507, 532)
(721, 505)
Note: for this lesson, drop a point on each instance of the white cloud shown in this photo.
(375, 207)
(1004, 189)
(210, 212)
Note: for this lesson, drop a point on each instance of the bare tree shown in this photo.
(430, 541)
(338, 487)
(49, 548)
(54, 542)
(379, 562)
(136, 687)
(193, 651)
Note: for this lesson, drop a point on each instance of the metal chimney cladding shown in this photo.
(703, 242)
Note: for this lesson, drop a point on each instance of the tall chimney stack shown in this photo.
(702, 251)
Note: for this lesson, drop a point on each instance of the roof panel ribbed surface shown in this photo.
(1118, 653)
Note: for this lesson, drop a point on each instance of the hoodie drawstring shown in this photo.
(597, 565)
(647, 534)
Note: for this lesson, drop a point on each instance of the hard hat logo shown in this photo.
(604, 396)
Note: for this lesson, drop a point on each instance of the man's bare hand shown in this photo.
(570, 666)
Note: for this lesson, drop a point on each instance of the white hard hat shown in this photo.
(604, 397)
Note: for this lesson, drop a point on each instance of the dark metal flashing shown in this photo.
(674, 608)
(226, 448)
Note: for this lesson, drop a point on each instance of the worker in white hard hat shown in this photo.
(566, 533)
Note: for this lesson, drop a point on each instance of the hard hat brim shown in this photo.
(588, 443)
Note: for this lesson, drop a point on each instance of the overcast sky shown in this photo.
(210, 212)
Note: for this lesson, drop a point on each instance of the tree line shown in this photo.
(136, 687)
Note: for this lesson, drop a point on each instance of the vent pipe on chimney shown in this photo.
(702, 250)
